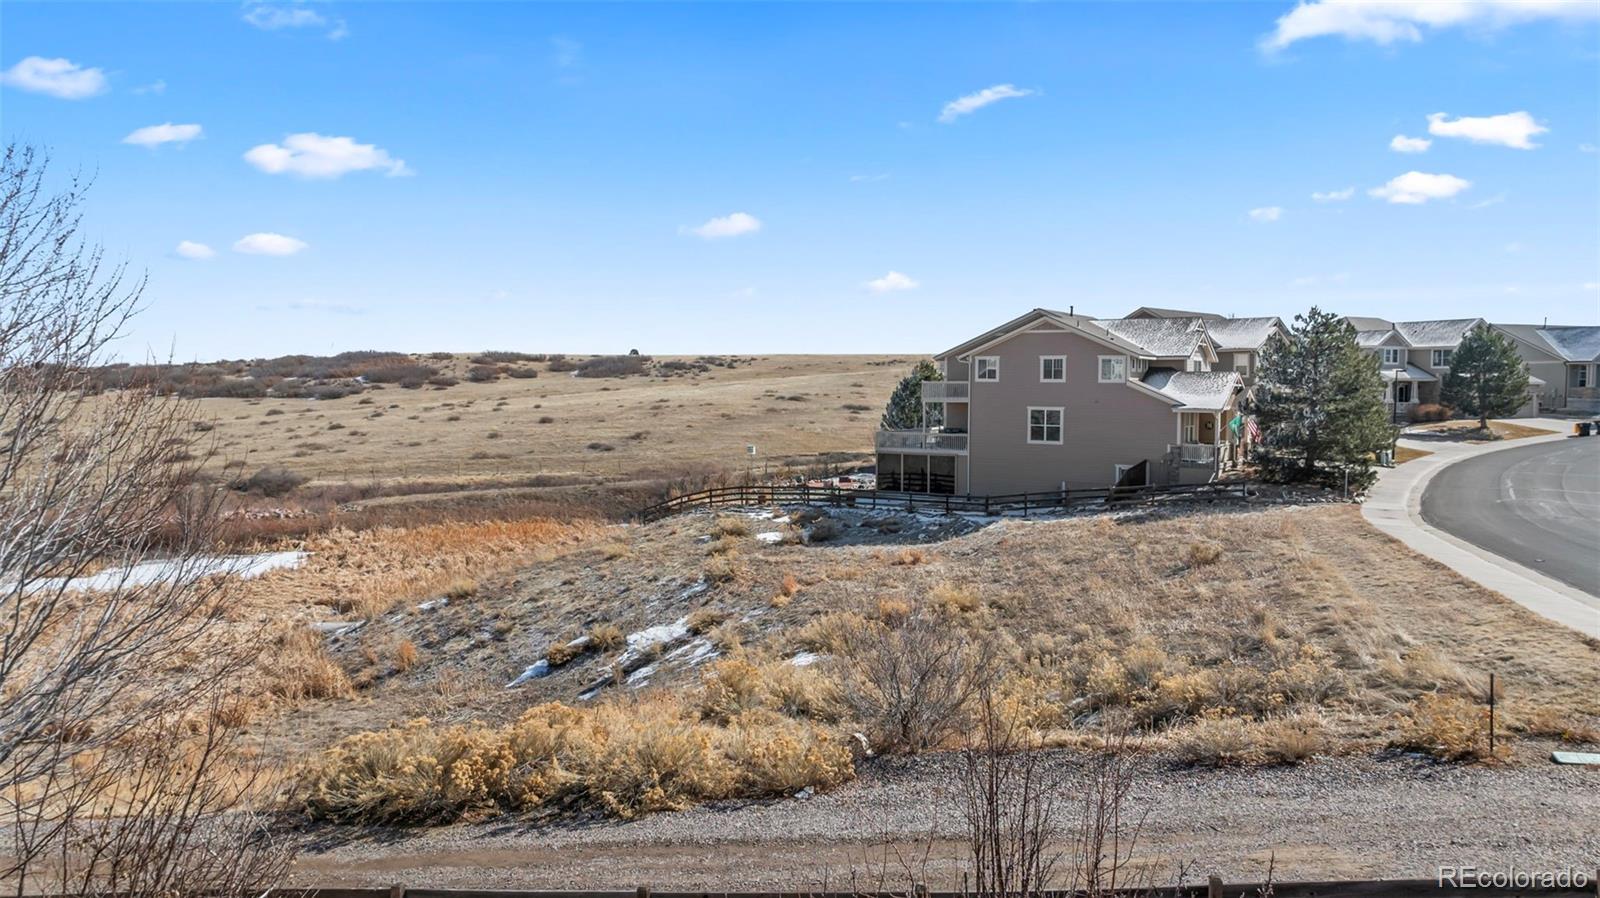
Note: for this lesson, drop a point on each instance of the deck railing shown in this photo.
(945, 391)
(920, 440)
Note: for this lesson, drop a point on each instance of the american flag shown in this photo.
(1253, 429)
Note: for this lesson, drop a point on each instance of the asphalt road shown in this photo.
(1536, 505)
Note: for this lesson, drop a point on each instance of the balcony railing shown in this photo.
(921, 441)
(1572, 392)
(944, 391)
(1194, 453)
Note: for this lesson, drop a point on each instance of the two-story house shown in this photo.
(1239, 342)
(1052, 400)
(1413, 357)
(1563, 362)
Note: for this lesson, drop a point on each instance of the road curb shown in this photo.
(1394, 506)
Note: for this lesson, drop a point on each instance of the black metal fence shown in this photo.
(757, 495)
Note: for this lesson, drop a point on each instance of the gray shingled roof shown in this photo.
(1161, 337)
(1409, 372)
(1201, 391)
(1575, 344)
(1372, 339)
(1171, 313)
(1436, 333)
(1369, 324)
(1241, 333)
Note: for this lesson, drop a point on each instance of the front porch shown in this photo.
(1206, 447)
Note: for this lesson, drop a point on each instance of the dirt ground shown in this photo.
(555, 424)
(1337, 818)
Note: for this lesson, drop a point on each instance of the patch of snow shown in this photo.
(245, 567)
(805, 659)
(697, 587)
(534, 671)
(337, 628)
(693, 653)
(649, 637)
(771, 536)
(641, 677)
(588, 694)
(431, 604)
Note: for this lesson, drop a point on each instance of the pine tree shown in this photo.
(1320, 403)
(904, 411)
(1487, 377)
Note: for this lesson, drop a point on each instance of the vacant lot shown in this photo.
(682, 413)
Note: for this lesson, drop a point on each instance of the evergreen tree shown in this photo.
(1487, 377)
(1320, 403)
(904, 411)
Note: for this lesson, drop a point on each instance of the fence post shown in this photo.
(1214, 886)
(1491, 714)
(642, 892)
(1024, 504)
(397, 891)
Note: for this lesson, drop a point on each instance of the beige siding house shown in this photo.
(1053, 400)
(1239, 342)
(1564, 360)
(1414, 359)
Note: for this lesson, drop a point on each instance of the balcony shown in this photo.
(945, 391)
(921, 441)
(1195, 454)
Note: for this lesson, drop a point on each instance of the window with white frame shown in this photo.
(1052, 368)
(1191, 429)
(1441, 358)
(1044, 425)
(1391, 356)
(987, 367)
(1113, 368)
(1578, 376)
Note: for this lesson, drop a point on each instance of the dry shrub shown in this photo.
(951, 599)
(910, 685)
(703, 619)
(461, 588)
(1218, 742)
(893, 611)
(726, 545)
(790, 585)
(731, 525)
(780, 599)
(723, 569)
(615, 551)
(563, 651)
(1449, 728)
(908, 557)
(1555, 724)
(822, 530)
(1202, 553)
(830, 633)
(625, 758)
(735, 686)
(606, 636)
(405, 655)
(1292, 740)
(300, 667)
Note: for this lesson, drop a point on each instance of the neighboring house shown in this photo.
(1414, 359)
(1563, 361)
(1053, 400)
(1239, 342)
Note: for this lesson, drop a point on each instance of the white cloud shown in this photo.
(1404, 144)
(1266, 213)
(726, 226)
(273, 18)
(315, 156)
(60, 78)
(157, 86)
(1510, 130)
(1334, 196)
(1588, 148)
(1319, 280)
(1415, 187)
(892, 282)
(868, 179)
(974, 101)
(1392, 21)
(156, 135)
(188, 249)
(268, 244)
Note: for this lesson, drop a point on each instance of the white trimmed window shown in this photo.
(986, 367)
(1391, 356)
(1044, 425)
(1441, 358)
(1113, 369)
(1052, 369)
(1578, 376)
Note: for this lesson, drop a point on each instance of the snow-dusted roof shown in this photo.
(1369, 324)
(1574, 344)
(1436, 333)
(1154, 312)
(1160, 337)
(1198, 391)
(1374, 339)
(1408, 373)
(1242, 333)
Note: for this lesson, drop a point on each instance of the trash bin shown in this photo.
(1582, 428)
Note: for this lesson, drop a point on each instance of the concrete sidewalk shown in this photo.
(1394, 505)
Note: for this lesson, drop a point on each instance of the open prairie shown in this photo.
(794, 409)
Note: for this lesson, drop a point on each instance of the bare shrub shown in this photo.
(482, 374)
(1449, 728)
(1429, 411)
(611, 366)
(271, 482)
(910, 685)
(1202, 553)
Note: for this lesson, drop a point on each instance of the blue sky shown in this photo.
(808, 178)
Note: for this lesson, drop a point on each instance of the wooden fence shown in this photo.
(1215, 888)
(757, 495)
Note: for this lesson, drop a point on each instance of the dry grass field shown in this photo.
(794, 409)
(1242, 637)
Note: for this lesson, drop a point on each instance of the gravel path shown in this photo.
(1337, 818)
